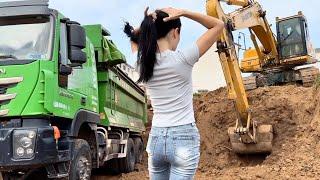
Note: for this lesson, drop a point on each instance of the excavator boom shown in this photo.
(253, 18)
(247, 136)
(242, 3)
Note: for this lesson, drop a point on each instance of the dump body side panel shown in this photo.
(122, 103)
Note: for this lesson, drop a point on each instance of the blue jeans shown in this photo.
(173, 152)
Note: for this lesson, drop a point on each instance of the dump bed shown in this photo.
(122, 103)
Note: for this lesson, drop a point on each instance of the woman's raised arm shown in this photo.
(214, 25)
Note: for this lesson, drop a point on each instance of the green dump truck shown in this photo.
(65, 106)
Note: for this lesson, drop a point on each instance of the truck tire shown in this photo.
(127, 164)
(81, 165)
(113, 166)
(139, 149)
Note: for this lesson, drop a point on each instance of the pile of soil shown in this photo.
(294, 113)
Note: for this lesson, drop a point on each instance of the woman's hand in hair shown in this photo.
(153, 14)
(173, 13)
(215, 28)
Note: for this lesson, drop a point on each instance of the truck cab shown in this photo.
(65, 107)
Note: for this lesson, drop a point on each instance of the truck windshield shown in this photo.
(28, 38)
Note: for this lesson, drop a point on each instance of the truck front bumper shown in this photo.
(45, 151)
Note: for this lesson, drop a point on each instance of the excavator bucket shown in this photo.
(263, 145)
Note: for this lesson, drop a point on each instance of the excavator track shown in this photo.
(250, 83)
(306, 76)
(309, 75)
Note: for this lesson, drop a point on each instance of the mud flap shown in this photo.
(263, 145)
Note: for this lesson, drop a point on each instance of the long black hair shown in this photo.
(146, 37)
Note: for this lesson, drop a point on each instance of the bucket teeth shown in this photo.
(263, 144)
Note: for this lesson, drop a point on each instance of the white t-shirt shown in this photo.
(170, 88)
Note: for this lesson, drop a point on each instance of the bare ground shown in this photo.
(294, 113)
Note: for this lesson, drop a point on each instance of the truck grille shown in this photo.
(6, 83)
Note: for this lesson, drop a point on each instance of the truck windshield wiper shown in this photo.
(10, 56)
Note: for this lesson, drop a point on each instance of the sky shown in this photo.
(112, 14)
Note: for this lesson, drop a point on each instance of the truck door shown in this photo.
(74, 80)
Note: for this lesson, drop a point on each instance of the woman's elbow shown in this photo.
(220, 26)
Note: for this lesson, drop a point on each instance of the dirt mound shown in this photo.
(294, 113)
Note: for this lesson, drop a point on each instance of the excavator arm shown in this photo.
(246, 136)
(252, 16)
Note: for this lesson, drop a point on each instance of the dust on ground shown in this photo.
(294, 113)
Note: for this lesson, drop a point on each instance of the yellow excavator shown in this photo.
(273, 60)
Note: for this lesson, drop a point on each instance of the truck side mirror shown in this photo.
(65, 70)
(76, 43)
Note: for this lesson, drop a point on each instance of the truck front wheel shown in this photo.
(9, 176)
(81, 165)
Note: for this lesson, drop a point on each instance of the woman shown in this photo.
(174, 141)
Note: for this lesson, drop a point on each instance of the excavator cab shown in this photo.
(293, 38)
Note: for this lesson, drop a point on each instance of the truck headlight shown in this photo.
(24, 143)
(20, 151)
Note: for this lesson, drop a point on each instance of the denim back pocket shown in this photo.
(186, 146)
(152, 141)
